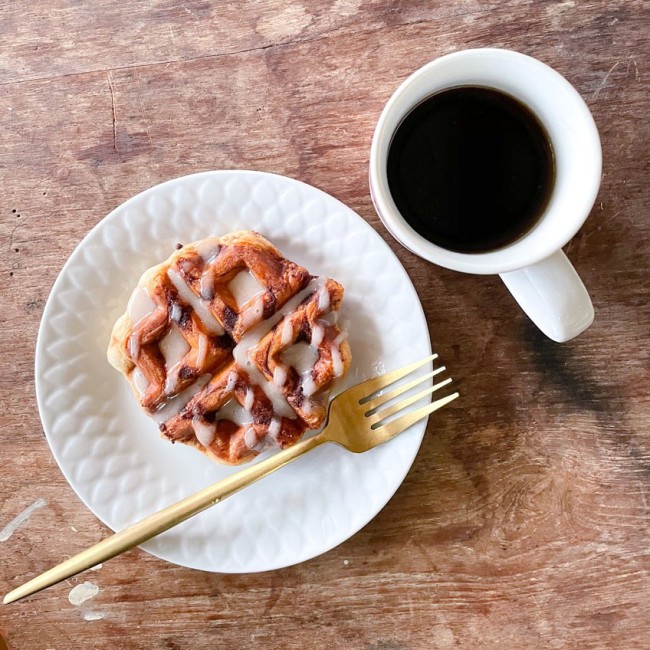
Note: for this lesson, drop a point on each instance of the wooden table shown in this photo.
(525, 520)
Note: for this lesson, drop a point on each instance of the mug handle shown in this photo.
(553, 296)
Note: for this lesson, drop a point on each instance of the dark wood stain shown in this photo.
(581, 383)
(125, 146)
(571, 373)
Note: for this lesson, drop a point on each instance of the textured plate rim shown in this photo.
(419, 428)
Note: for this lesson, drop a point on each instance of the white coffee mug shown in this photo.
(534, 268)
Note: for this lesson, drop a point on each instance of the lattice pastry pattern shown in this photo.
(230, 347)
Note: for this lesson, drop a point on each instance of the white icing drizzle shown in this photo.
(323, 299)
(171, 382)
(287, 332)
(252, 338)
(206, 285)
(174, 347)
(139, 381)
(329, 319)
(234, 412)
(279, 376)
(204, 431)
(231, 411)
(271, 437)
(134, 346)
(208, 249)
(303, 358)
(199, 307)
(176, 404)
(308, 386)
(317, 334)
(250, 439)
(231, 381)
(337, 362)
(177, 313)
(254, 313)
(202, 350)
(340, 338)
(274, 428)
(244, 287)
(140, 305)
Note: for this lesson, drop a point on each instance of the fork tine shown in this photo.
(397, 426)
(382, 399)
(391, 410)
(370, 386)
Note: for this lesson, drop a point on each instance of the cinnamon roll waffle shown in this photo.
(232, 348)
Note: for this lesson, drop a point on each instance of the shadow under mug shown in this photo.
(534, 268)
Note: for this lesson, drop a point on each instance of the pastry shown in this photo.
(232, 348)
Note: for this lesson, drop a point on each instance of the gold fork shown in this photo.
(356, 422)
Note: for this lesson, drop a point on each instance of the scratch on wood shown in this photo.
(11, 236)
(604, 81)
(20, 519)
(142, 112)
(114, 115)
(636, 69)
(274, 596)
(193, 59)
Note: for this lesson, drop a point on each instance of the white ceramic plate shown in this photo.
(111, 453)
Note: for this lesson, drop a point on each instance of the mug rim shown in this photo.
(510, 257)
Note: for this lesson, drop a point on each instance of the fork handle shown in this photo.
(163, 520)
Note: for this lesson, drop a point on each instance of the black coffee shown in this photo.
(471, 169)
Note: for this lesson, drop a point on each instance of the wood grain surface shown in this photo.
(525, 520)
